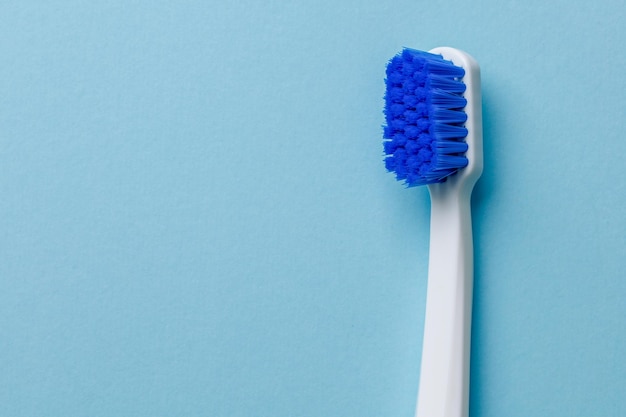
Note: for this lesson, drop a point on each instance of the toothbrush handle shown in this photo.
(444, 376)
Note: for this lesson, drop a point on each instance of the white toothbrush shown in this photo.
(434, 137)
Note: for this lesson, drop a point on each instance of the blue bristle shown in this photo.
(424, 134)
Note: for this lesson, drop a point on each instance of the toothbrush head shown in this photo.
(425, 110)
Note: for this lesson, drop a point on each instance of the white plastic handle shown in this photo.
(444, 375)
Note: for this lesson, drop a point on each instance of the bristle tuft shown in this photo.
(424, 135)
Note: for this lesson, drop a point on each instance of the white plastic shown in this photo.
(444, 377)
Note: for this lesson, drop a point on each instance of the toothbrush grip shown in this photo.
(444, 375)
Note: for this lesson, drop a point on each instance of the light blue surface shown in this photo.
(195, 218)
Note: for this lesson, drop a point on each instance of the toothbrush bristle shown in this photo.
(424, 135)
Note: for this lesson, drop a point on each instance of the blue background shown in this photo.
(195, 219)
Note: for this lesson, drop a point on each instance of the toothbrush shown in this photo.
(434, 137)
